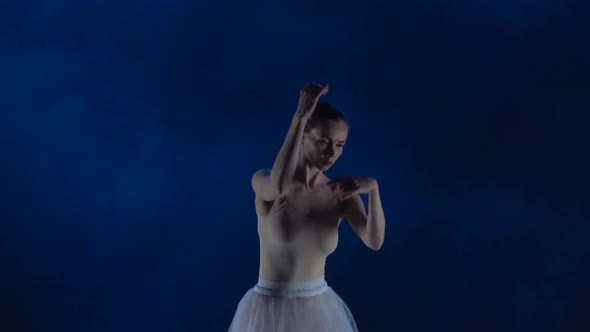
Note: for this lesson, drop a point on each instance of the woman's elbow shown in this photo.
(376, 244)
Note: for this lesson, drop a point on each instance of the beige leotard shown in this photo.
(297, 235)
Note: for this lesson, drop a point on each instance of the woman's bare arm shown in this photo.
(272, 184)
(370, 228)
(283, 169)
(376, 220)
(285, 164)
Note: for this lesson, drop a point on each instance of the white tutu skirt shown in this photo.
(310, 306)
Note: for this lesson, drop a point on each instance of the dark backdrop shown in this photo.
(129, 131)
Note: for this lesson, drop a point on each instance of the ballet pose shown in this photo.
(299, 210)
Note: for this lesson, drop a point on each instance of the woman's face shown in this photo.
(323, 145)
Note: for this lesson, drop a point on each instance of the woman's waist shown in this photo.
(291, 288)
(292, 269)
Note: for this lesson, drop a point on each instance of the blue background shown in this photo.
(129, 131)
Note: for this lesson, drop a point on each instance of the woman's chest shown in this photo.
(317, 205)
(304, 216)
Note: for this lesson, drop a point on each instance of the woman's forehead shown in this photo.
(335, 130)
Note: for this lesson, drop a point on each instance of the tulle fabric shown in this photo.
(310, 306)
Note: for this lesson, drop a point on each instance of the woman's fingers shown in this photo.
(348, 193)
(345, 188)
(352, 185)
(315, 90)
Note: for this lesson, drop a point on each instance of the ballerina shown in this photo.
(299, 210)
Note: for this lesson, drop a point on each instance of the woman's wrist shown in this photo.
(300, 117)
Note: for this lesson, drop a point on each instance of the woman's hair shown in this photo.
(324, 111)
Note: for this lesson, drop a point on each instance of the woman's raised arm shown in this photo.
(285, 164)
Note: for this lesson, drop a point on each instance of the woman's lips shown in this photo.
(328, 163)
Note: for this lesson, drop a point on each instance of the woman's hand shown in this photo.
(346, 187)
(308, 99)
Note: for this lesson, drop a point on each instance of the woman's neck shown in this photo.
(307, 174)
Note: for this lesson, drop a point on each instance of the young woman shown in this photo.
(299, 210)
